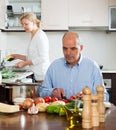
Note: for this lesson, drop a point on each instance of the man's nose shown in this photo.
(68, 51)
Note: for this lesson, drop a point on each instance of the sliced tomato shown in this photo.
(53, 99)
(47, 99)
(65, 100)
(20, 106)
(73, 97)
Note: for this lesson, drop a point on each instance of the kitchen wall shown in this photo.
(98, 45)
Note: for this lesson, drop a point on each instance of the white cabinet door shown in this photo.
(88, 13)
(2, 14)
(54, 14)
(112, 2)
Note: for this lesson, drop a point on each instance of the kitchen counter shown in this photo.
(44, 121)
(108, 71)
(110, 80)
(20, 75)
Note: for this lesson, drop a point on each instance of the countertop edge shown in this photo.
(108, 71)
(21, 75)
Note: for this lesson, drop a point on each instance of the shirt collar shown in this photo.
(80, 60)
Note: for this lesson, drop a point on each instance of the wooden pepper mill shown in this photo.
(86, 114)
(95, 112)
(101, 106)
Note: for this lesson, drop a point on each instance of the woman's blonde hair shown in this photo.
(31, 17)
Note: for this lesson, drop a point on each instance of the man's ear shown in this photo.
(81, 47)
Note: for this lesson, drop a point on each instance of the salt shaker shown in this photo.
(86, 114)
(101, 106)
(95, 112)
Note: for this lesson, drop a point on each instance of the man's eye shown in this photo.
(64, 48)
(73, 48)
(25, 24)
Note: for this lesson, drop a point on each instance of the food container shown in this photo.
(16, 92)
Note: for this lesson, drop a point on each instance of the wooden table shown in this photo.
(45, 121)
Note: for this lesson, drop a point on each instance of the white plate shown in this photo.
(9, 112)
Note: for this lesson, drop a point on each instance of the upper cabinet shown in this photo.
(13, 9)
(54, 14)
(92, 13)
(112, 2)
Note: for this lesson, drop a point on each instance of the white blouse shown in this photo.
(38, 52)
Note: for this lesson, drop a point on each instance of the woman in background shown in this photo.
(38, 49)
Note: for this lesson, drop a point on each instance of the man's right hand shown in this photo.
(58, 92)
(79, 95)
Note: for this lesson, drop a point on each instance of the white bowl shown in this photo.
(18, 100)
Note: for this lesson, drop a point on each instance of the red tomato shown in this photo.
(47, 99)
(39, 100)
(20, 106)
(72, 97)
(53, 99)
(65, 100)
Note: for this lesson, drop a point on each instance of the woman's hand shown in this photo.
(18, 56)
(20, 64)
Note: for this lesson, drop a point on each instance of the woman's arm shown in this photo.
(18, 56)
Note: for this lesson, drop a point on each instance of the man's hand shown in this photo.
(79, 95)
(58, 92)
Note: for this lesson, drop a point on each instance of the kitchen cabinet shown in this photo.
(111, 76)
(112, 15)
(11, 10)
(57, 14)
(54, 14)
(112, 2)
(89, 13)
